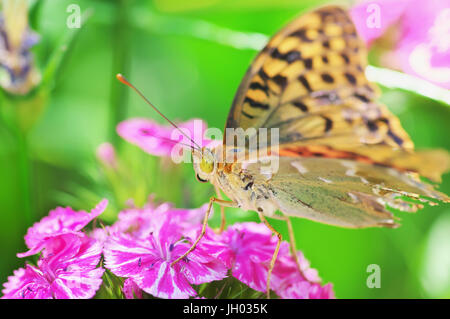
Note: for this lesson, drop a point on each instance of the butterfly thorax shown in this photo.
(249, 189)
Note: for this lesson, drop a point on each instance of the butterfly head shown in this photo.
(204, 164)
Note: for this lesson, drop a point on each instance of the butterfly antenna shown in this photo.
(122, 79)
(168, 140)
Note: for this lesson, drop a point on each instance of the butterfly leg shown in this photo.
(222, 211)
(212, 200)
(292, 244)
(275, 253)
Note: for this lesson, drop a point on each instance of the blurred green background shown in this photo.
(166, 49)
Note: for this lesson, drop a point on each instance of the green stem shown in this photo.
(118, 95)
(25, 175)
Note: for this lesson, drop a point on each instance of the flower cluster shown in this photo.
(141, 246)
(67, 266)
(143, 243)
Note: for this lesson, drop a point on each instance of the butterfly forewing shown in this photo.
(309, 83)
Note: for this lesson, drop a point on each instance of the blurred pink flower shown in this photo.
(159, 139)
(70, 271)
(106, 154)
(147, 261)
(290, 284)
(252, 247)
(59, 221)
(422, 42)
(131, 290)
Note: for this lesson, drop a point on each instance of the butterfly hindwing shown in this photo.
(342, 192)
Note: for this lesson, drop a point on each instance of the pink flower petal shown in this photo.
(288, 283)
(131, 290)
(253, 245)
(127, 256)
(148, 261)
(70, 272)
(61, 220)
(26, 283)
(52, 244)
(164, 281)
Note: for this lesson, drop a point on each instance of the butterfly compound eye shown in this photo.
(206, 165)
(207, 162)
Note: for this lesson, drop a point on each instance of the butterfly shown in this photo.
(342, 157)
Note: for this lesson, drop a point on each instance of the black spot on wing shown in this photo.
(280, 80)
(248, 186)
(289, 57)
(345, 57)
(372, 126)
(308, 63)
(259, 86)
(395, 137)
(301, 34)
(256, 104)
(301, 106)
(328, 124)
(247, 115)
(327, 78)
(361, 97)
(350, 78)
(305, 82)
(263, 74)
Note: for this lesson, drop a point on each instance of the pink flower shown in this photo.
(131, 290)
(290, 284)
(158, 139)
(422, 42)
(70, 271)
(59, 221)
(140, 222)
(252, 247)
(148, 262)
(106, 154)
